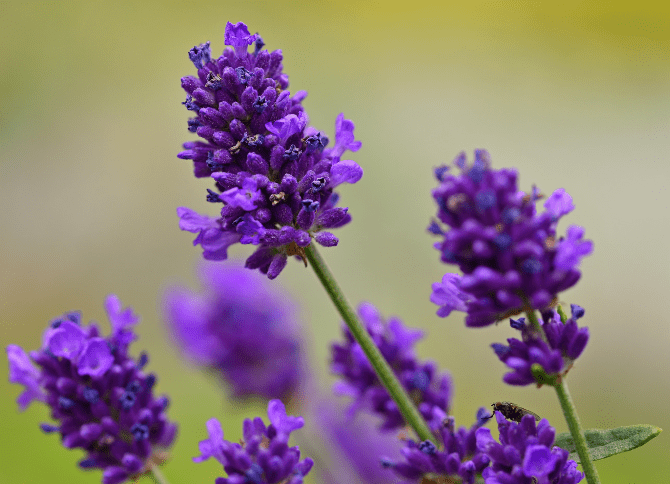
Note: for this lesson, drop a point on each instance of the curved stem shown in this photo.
(359, 332)
(571, 417)
(535, 324)
(532, 319)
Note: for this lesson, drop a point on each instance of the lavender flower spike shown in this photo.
(430, 390)
(564, 343)
(525, 454)
(264, 457)
(510, 256)
(273, 174)
(242, 328)
(99, 394)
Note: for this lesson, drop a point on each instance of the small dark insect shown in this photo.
(512, 411)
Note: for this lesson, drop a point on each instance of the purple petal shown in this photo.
(448, 295)
(96, 358)
(282, 422)
(213, 445)
(251, 230)
(119, 318)
(539, 461)
(345, 171)
(66, 341)
(571, 250)
(192, 221)
(344, 138)
(245, 197)
(559, 203)
(22, 371)
(237, 35)
(287, 126)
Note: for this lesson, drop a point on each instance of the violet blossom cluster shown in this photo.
(457, 456)
(273, 174)
(554, 350)
(240, 327)
(525, 454)
(100, 396)
(509, 254)
(430, 390)
(264, 456)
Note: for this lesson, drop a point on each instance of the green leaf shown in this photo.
(606, 442)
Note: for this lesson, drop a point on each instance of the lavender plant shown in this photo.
(101, 398)
(272, 173)
(275, 178)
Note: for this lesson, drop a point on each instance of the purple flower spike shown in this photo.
(264, 457)
(430, 390)
(510, 255)
(525, 454)
(241, 327)
(100, 396)
(564, 343)
(264, 159)
(457, 457)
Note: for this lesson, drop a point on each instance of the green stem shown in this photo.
(158, 475)
(380, 365)
(535, 323)
(571, 417)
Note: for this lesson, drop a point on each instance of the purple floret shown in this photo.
(525, 454)
(510, 256)
(264, 457)
(457, 458)
(555, 349)
(271, 170)
(101, 397)
(430, 390)
(241, 327)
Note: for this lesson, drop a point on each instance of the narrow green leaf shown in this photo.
(606, 442)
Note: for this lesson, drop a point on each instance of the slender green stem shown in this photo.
(158, 475)
(380, 365)
(532, 319)
(571, 417)
(535, 323)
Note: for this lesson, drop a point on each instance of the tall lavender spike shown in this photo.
(510, 256)
(101, 397)
(272, 173)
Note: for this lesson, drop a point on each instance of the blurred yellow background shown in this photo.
(572, 94)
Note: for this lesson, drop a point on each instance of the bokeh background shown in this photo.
(572, 94)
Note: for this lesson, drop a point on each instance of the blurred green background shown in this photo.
(572, 94)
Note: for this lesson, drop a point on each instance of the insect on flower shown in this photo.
(512, 411)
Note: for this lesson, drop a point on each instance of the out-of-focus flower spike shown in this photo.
(241, 327)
